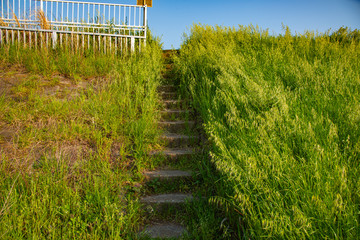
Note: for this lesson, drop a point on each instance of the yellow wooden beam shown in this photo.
(144, 2)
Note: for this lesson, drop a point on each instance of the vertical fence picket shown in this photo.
(99, 38)
(104, 38)
(30, 21)
(116, 45)
(54, 39)
(132, 44)
(24, 17)
(121, 45)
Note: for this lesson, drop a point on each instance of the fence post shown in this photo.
(145, 24)
(54, 39)
(145, 19)
(145, 16)
(132, 43)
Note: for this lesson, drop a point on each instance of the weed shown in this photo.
(62, 172)
(282, 116)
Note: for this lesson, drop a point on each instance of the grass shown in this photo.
(282, 113)
(46, 61)
(71, 161)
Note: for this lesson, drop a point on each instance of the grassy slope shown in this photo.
(69, 168)
(283, 116)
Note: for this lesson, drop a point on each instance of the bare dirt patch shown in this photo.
(16, 85)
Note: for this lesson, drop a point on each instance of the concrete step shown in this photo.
(169, 95)
(163, 230)
(173, 140)
(167, 88)
(177, 126)
(169, 114)
(170, 198)
(174, 154)
(168, 175)
(173, 104)
(165, 204)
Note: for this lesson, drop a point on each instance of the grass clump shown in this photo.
(282, 113)
(69, 165)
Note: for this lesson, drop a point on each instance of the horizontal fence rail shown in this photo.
(101, 26)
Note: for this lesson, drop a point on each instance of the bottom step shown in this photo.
(163, 230)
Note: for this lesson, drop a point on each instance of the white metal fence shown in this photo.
(81, 25)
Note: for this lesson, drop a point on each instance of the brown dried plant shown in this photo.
(2, 23)
(44, 24)
(17, 20)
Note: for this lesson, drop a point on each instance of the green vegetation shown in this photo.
(283, 116)
(70, 160)
(63, 60)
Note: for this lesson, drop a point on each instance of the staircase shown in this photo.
(179, 139)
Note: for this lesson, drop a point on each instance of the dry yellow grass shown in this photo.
(17, 21)
(2, 23)
(43, 22)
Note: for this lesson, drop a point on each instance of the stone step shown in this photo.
(166, 203)
(163, 230)
(168, 175)
(177, 126)
(174, 154)
(169, 114)
(167, 88)
(169, 95)
(174, 140)
(170, 198)
(173, 104)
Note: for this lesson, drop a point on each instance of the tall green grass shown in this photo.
(283, 116)
(64, 60)
(71, 168)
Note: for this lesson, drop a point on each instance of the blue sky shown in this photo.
(169, 19)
